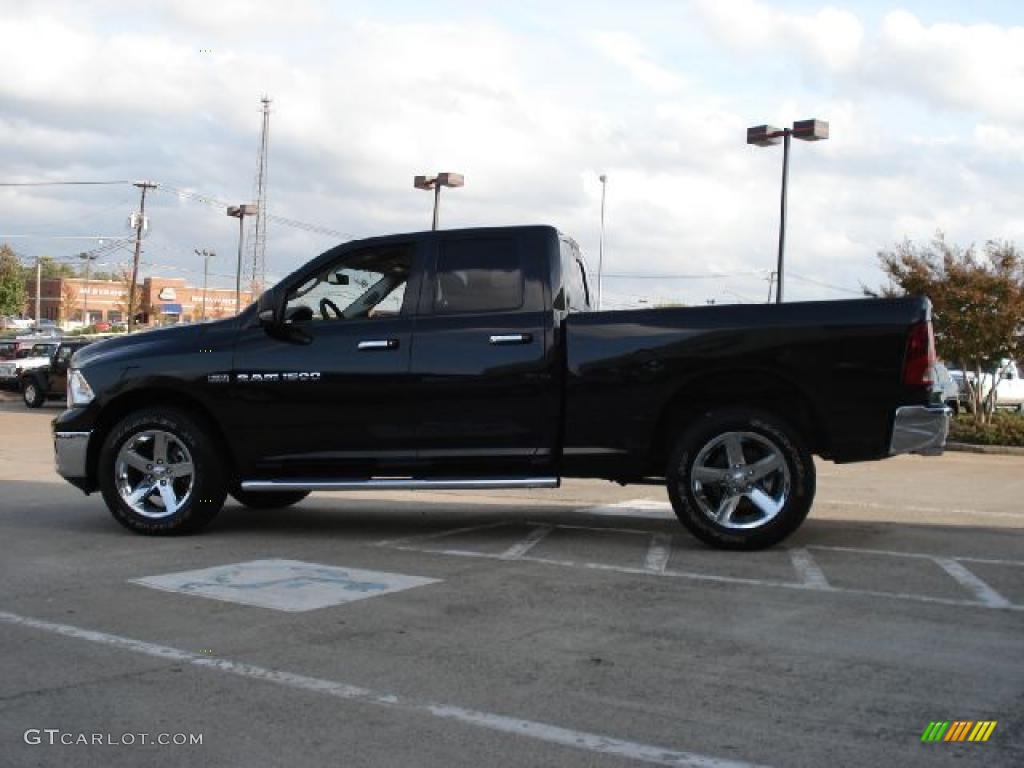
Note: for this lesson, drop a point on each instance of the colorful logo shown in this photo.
(958, 730)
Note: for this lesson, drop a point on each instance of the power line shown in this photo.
(826, 285)
(58, 183)
(704, 276)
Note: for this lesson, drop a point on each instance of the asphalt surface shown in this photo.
(577, 627)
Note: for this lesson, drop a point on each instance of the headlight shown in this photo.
(79, 391)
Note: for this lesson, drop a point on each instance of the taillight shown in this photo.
(919, 362)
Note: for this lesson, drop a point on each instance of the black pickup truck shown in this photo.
(471, 359)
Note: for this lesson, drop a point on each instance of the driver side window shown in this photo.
(363, 284)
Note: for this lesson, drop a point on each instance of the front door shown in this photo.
(330, 398)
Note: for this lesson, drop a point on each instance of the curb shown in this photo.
(1005, 450)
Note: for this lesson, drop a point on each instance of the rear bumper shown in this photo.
(919, 429)
(70, 450)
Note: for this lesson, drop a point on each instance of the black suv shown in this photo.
(38, 384)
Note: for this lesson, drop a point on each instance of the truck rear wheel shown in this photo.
(160, 473)
(268, 499)
(740, 479)
(32, 392)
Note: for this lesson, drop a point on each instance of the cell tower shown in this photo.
(259, 233)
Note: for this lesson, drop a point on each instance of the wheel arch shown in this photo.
(154, 397)
(755, 389)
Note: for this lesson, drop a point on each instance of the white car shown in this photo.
(35, 356)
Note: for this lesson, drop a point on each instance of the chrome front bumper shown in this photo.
(70, 450)
(920, 429)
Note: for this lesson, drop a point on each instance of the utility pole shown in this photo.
(207, 255)
(139, 224)
(600, 247)
(39, 285)
(89, 258)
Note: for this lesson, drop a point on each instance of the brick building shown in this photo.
(164, 300)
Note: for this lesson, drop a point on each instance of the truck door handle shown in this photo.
(511, 338)
(373, 344)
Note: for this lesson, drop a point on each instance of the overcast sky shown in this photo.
(531, 101)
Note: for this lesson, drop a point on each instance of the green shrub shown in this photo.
(1003, 429)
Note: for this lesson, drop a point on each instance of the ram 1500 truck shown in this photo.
(472, 359)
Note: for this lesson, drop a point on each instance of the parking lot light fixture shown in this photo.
(769, 135)
(240, 212)
(435, 183)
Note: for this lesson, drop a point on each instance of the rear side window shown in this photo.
(478, 276)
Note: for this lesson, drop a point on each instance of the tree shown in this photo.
(68, 302)
(50, 267)
(978, 300)
(12, 283)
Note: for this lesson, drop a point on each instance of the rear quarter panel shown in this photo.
(627, 370)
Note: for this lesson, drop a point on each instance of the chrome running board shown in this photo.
(400, 483)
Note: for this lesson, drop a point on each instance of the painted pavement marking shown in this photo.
(530, 729)
(528, 542)
(284, 585)
(811, 575)
(658, 553)
(809, 571)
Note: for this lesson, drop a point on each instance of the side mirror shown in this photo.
(267, 311)
(337, 278)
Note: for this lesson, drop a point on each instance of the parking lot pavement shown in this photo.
(581, 626)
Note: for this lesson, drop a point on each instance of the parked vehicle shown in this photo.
(50, 380)
(1009, 389)
(27, 358)
(470, 359)
(8, 350)
(948, 387)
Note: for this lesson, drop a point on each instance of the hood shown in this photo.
(141, 344)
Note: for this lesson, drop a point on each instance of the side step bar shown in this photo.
(399, 483)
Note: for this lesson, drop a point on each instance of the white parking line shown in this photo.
(812, 577)
(658, 553)
(921, 555)
(972, 583)
(531, 729)
(913, 508)
(809, 571)
(531, 540)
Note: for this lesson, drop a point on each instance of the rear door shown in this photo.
(483, 359)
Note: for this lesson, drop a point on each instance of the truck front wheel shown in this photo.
(160, 473)
(740, 479)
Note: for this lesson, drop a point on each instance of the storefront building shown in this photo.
(161, 300)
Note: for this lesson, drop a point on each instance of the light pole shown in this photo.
(435, 183)
(766, 136)
(139, 224)
(207, 255)
(89, 258)
(600, 246)
(240, 212)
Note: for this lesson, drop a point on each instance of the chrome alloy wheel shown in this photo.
(154, 473)
(740, 480)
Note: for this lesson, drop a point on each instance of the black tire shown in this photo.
(765, 441)
(268, 499)
(208, 481)
(33, 392)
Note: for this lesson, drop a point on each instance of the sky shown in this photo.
(532, 102)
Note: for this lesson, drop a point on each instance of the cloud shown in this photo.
(531, 119)
(629, 53)
(977, 67)
(829, 38)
